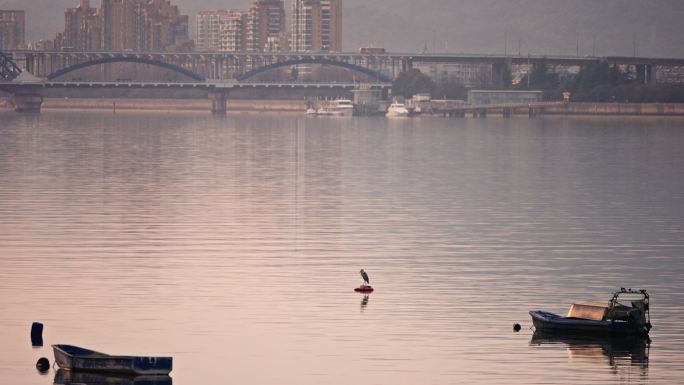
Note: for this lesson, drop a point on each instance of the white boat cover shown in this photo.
(595, 311)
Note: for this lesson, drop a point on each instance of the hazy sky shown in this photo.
(538, 26)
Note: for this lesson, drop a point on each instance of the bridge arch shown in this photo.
(121, 59)
(378, 75)
(8, 69)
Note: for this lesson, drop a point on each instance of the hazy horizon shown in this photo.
(608, 27)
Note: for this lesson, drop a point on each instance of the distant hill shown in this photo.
(479, 26)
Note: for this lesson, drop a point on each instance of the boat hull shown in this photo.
(75, 358)
(554, 323)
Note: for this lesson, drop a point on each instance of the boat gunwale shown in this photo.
(98, 355)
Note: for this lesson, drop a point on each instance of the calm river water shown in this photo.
(233, 244)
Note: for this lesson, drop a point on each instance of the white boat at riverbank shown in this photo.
(339, 107)
(397, 110)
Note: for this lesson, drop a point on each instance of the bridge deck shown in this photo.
(209, 85)
(388, 55)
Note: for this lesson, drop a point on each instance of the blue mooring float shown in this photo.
(37, 334)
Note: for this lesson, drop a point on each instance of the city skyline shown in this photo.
(610, 27)
(158, 25)
(124, 25)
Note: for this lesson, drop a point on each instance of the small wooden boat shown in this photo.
(364, 289)
(74, 377)
(615, 318)
(77, 358)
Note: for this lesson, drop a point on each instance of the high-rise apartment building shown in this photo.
(12, 29)
(259, 29)
(160, 26)
(208, 24)
(265, 20)
(232, 32)
(221, 30)
(335, 27)
(119, 24)
(316, 25)
(82, 28)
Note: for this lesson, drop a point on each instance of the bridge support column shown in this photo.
(499, 76)
(532, 112)
(646, 73)
(27, 103)
(406, 65)
(218, 102)
(507, 112)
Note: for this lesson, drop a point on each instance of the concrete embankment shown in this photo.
(636, 109)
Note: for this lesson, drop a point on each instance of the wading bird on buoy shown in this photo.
(364, 276)
(365, 287)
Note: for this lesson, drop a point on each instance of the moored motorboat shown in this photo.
(614, 318)
(77, 358)
(343, 107)
(397, 110)
(339, 107)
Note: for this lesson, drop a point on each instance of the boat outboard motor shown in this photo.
(635, 316)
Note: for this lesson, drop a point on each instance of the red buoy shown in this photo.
(364, 289)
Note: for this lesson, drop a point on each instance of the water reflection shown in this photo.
(629, 351)
(177, 223)
(364, 302)
(68, 377)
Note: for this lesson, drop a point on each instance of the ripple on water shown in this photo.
(234, 244)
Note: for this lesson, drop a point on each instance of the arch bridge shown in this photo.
(200, 78)
(231, 65)
(126, 59)
(211, 65)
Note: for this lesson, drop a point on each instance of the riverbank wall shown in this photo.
(635, 109)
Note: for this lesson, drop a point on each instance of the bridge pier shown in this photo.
(646, 73)
(499, 76)
(218, 102)
(507, 112)
(406, 65)
(30, 103)
(532, 112)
